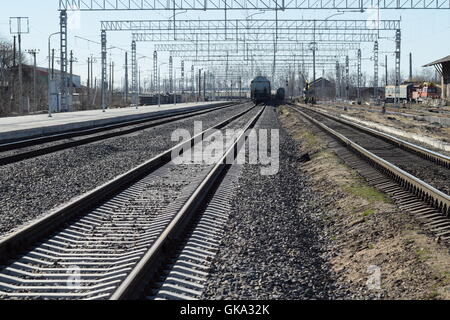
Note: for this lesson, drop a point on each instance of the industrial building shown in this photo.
(443, 68)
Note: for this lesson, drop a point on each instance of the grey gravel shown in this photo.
(30, 188)
(275, 244)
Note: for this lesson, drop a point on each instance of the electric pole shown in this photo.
(71, 61)
(126, 77)
(19, 26)
(89, 80)
(33, 52)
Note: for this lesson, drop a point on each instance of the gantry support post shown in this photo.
(104, 70)
(347, 78)
(192, 81)
(134, 75)
(338, 80)
(358, 91)
(226, 76)
(63, 43)
(126, 78)
(155, 71)
(375, 71)
(182, 77)
(170, 75)
(397, 64)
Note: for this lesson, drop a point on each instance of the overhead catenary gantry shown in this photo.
(253, 31)
(294, 47)
(285, 25)
(236, 5)
(346, 36)
(89, 5)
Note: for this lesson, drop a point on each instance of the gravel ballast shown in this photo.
(32, 187)
(275, 243)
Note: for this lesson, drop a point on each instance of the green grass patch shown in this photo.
(367, 192)
(310, 139)
(423, 254)
(367, 213)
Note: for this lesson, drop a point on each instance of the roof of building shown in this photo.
(260, 79)
(445, 59)
(318, 80)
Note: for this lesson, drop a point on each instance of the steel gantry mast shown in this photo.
(104, 84)
(64, 101)
(397, 63)
(347, 78)
(182, 77)
(375, 72)
(359, 82)
(155, 71)
(170, 74)
(134, 75)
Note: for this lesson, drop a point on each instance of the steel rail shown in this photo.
(425, 153)
(165, 118)
(26, 236)
(145, 269)
(421, 189)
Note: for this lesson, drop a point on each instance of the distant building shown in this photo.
(323, 88)
(42, 75)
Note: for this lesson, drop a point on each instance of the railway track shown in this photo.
(16, 151)
(111, 242)
(416, 178)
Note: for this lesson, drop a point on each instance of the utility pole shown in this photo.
(92, 77)
(240, 88)
(33, 52)
(53, 63)
(192, 81)
(13, 100)
(386, 70)
(112, 81)
(89, 80)
(410, 66)
(204, 85)
(199, 84)
(71, 61)
(19, 26)
(126, 77)
(20, 73)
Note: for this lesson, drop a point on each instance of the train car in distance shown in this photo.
(402, 92)
(281, 95)
(261, 90)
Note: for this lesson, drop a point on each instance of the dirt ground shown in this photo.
(368, 232)
(434, 131)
